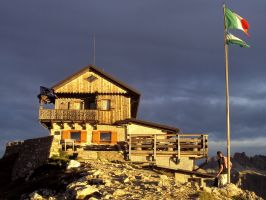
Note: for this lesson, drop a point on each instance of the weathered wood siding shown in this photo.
(82, 85)
(120, 107)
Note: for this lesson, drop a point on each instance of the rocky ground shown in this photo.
(248, 173)
(108, 180)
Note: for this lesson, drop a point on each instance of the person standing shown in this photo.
(223, 169)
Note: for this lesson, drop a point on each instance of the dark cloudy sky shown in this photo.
(172, 51)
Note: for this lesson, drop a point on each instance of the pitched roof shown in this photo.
(149, 124)
(134, 93)
(100, 72)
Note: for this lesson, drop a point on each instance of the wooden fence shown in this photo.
(170, 145)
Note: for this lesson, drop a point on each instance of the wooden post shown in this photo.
(203, 142)
(227, 99)
(129, 148)
(154, 146)
(195, 142)
(178, 145)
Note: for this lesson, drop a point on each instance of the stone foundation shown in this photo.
(101, 155)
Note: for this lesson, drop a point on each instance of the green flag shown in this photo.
(231, 39)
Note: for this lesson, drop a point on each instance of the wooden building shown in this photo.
(93, 107)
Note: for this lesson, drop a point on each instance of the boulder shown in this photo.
(119, 193)
(73, 164)
(164, 181)
(108, 183)
(84, 191)
(35, 196)
(108, 196)
(80, 182)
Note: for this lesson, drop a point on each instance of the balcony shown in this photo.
(67, 115)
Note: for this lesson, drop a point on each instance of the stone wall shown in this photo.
(13, 148)
(31, 154)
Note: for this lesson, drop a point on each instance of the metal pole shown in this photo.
(227, 100)
(94, 50)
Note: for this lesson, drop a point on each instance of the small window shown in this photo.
(91, 78)
(105, 137)
(106, 104)
(75, 135)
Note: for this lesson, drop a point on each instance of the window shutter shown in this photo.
(96, 137)
(112, 103)
(83, 137)
(65, 135)
(114, 137)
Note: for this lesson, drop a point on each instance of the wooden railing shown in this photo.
(71, 115)
(176, 145)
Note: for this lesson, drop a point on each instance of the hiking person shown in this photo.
(223, 169)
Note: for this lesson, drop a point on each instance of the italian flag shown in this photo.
(234, 21)
(231, 39)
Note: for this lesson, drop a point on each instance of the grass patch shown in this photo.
(60, 160)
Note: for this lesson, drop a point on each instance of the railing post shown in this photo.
(203, 143)
(206, 145)
(129, 148)
(178, 145)
(154, 146)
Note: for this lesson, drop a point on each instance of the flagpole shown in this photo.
(227, 100)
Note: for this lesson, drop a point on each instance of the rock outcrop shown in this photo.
(97, 179)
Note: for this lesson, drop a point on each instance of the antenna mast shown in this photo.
(94, 51)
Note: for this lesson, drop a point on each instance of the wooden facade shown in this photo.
(88, 105)
(91, 96)
(72, 109)
(89, 82)
(93, 107)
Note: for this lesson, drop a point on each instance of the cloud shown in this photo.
(240, 145)
(172, 52)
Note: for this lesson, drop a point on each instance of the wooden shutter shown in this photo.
(83, 136)
(96, 137)
(65, 135)
(114, 137)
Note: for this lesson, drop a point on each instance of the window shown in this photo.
(105, 137)
(90, 103)
(75, 135)
(106, 104)
(91, 78)
(74, 105)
